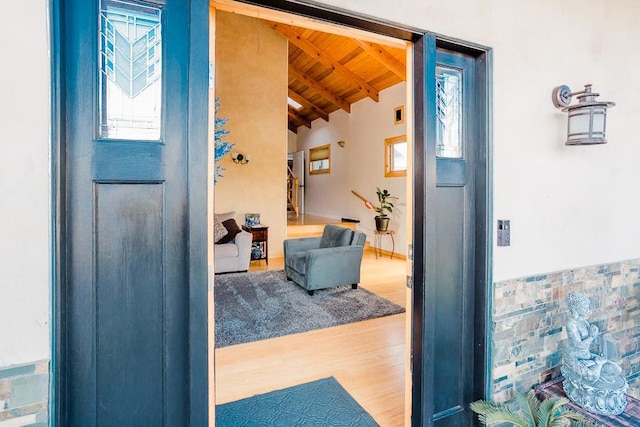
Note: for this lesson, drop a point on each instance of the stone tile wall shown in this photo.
(529, 324)
(24, 395)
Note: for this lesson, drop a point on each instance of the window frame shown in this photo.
(388, 151)
(312, 159)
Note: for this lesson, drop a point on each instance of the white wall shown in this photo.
(359, 165)
(568, 206)
(24, 182)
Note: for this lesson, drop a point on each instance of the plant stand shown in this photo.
(377, 242)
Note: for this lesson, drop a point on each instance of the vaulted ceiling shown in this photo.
(328, 72)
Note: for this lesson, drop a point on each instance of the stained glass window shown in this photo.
(449, 112)
(130, 70)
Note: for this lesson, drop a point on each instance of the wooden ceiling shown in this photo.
(328, 72)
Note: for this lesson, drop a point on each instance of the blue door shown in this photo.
(451, 286)
(131, 341)
(454, 212)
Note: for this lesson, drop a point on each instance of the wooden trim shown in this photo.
(308, 17)
(385, 58)
(297, 117)
(308, 104)
(388, 143)
(321, 156)
(326, 59)
(319, 88)
(398, 115)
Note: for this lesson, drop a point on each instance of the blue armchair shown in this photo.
(324, 262)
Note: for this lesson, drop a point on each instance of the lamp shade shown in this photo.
(587, 124)
(587, 120)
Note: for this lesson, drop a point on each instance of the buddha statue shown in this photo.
(591, 381)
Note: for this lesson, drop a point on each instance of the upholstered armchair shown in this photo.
(233, 251)
(324, 262)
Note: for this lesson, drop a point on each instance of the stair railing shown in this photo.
(292, 192)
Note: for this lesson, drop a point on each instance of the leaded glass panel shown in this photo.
(130, 70)
(449, 112)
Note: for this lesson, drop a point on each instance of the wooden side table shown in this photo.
(260, 242)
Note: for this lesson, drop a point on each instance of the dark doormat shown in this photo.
(319, 403)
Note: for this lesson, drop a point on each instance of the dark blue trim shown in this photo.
(197, 203)
(57, 188)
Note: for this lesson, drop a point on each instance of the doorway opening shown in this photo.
(254, 58)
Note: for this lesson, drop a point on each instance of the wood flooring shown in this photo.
(367, 358)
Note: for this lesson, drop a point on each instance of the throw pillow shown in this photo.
(222, 217)
(232, 230)
(219, 230)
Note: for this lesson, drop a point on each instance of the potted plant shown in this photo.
(528, 411)
(382, 219)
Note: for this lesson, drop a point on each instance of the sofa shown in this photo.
(232, 251)
(324, 262)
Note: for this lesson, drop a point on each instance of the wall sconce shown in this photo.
(240, 158)
(587, 119)
(341, 144)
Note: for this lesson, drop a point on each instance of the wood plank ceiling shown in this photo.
(328, 72)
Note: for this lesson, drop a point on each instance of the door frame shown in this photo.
(425, 44)
(196, 218)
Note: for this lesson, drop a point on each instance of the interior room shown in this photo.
(308, 140)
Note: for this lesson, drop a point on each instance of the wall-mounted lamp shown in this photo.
(587, 119)
(341, 144)
(240, 158)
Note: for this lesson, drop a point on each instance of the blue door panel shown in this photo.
(451, 172)
(133, 343)
(129, 293)
(126, 161)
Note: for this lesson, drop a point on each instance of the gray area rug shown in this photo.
(259, 305)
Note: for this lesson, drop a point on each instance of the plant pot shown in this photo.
(382, 223)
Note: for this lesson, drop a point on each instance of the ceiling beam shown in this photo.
(385, 58)
(326, 59)
(261, 12)
(297, 117)
(292, 127)
(309, 105)
(319, 88)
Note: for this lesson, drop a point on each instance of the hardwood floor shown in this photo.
(367, 358)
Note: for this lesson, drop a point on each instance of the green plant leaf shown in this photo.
(503, 417)
(495, 412)
(529, 405)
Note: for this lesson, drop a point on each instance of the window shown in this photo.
(395, 156)
(320, 159)
(130, 71)
(449, 112)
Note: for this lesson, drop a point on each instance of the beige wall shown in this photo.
(24, 182)
(251, 82)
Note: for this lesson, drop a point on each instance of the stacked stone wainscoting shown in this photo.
(24, 395)
(529, 315)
